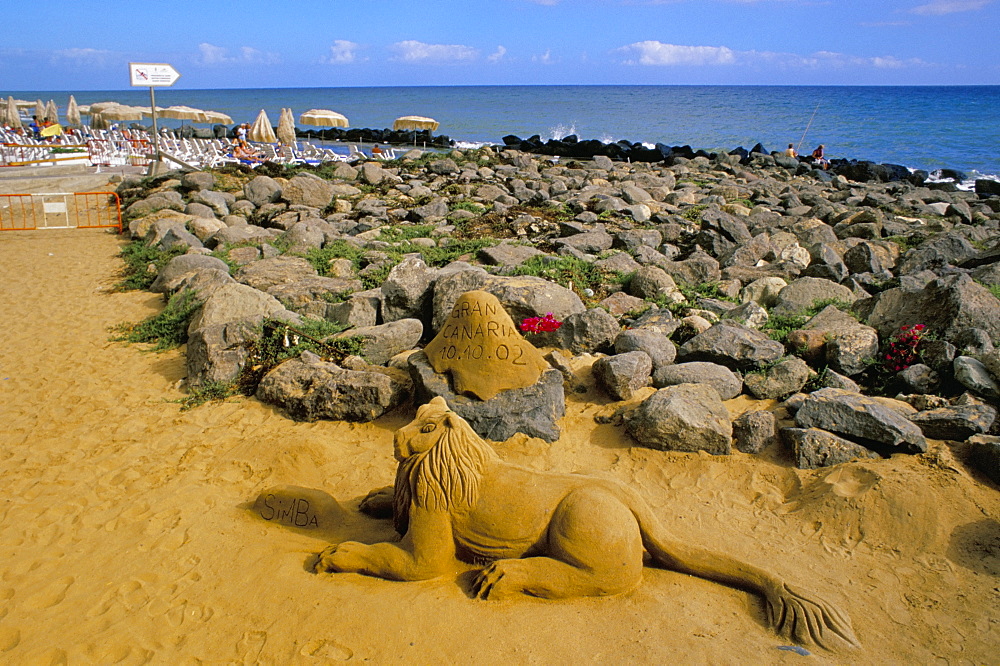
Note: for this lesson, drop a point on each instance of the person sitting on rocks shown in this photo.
(819, 158)
(790, 151)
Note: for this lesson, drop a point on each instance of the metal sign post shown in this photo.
(154, 75)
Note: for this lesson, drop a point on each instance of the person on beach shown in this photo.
(241, 135)
(819, 158)
(790, 151)
(377, 151)
(35, 129)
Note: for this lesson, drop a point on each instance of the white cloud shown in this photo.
(941, 7)
(86, 56)
(546, 58)
(342, 52)
(497, 55)
(213, 55)
(414, 51)
(652, 52)
(210, 54)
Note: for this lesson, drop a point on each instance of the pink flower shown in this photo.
(545, 324)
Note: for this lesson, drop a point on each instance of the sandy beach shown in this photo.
(128, 536)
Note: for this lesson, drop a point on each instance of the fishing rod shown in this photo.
(807, 128)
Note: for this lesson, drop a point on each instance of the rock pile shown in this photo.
(699, 276)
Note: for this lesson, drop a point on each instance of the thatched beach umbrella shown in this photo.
(122, 112)
(73, 113)
(52, 111)
(324, 118)
(415, 123)
(39, 111)
(286, 128)
(179, 112)
(261, 130)
(217, 118)
(11, 115)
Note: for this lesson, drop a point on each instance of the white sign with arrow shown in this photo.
(158, 74)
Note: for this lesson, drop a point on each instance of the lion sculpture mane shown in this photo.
(546, 535)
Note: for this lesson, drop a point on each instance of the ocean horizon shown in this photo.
(919, 127)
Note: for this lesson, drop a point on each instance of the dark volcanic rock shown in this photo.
(687, 417)
(815, 448)
(309, 389)
(533, 411)
(860, 418)
(732, 345)
(958, 422)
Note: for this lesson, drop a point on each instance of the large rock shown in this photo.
(232, 302)
(381, 343)
(219, 353)
(309, 389)
(955, 422)
(945, 306)
(849, 345)
(652, 282)
(582, 333)
(755, 430)
(803, 293)
(984, 455)
(862, 419)
(310, 294)
(815, 448)
(973, 375)
(782, 379)
(732, 345)
(652, 341)
(622, 375)
(687, 417)
(181, 267)
(267, 273)
(533, 410)
(725, 382)
(262, 190)
(408, 291)
(305, 189)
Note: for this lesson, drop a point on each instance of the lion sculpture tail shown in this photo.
(791, 611)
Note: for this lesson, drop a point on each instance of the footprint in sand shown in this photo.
(53, 594)
(9, 638)
(327, 649)
(250, 646)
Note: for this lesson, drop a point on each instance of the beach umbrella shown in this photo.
(23, 103)
(52, 111)
(178, 112)
(39, 111)
(261, 130)
(11, 115)
(98, 107)
(73, 113)
(97, 121)
(324, 118)
(122, 112)
(415, 123)
(286, 127)
(217, 118)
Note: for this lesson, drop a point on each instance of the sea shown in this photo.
(920, 127)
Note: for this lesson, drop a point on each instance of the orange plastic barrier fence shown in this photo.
(60, 210)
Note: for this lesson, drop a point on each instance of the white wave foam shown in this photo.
(562, 131)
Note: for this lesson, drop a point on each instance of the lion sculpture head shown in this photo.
(441, 461)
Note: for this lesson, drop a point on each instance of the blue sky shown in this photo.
(86, 44)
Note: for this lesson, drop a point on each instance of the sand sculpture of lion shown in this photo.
(547, 535)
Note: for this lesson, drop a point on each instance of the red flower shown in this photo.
(545, 324)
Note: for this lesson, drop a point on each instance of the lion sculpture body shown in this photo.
(547, 535)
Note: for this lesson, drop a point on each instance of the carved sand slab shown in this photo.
(294, 506)
(482, 349)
